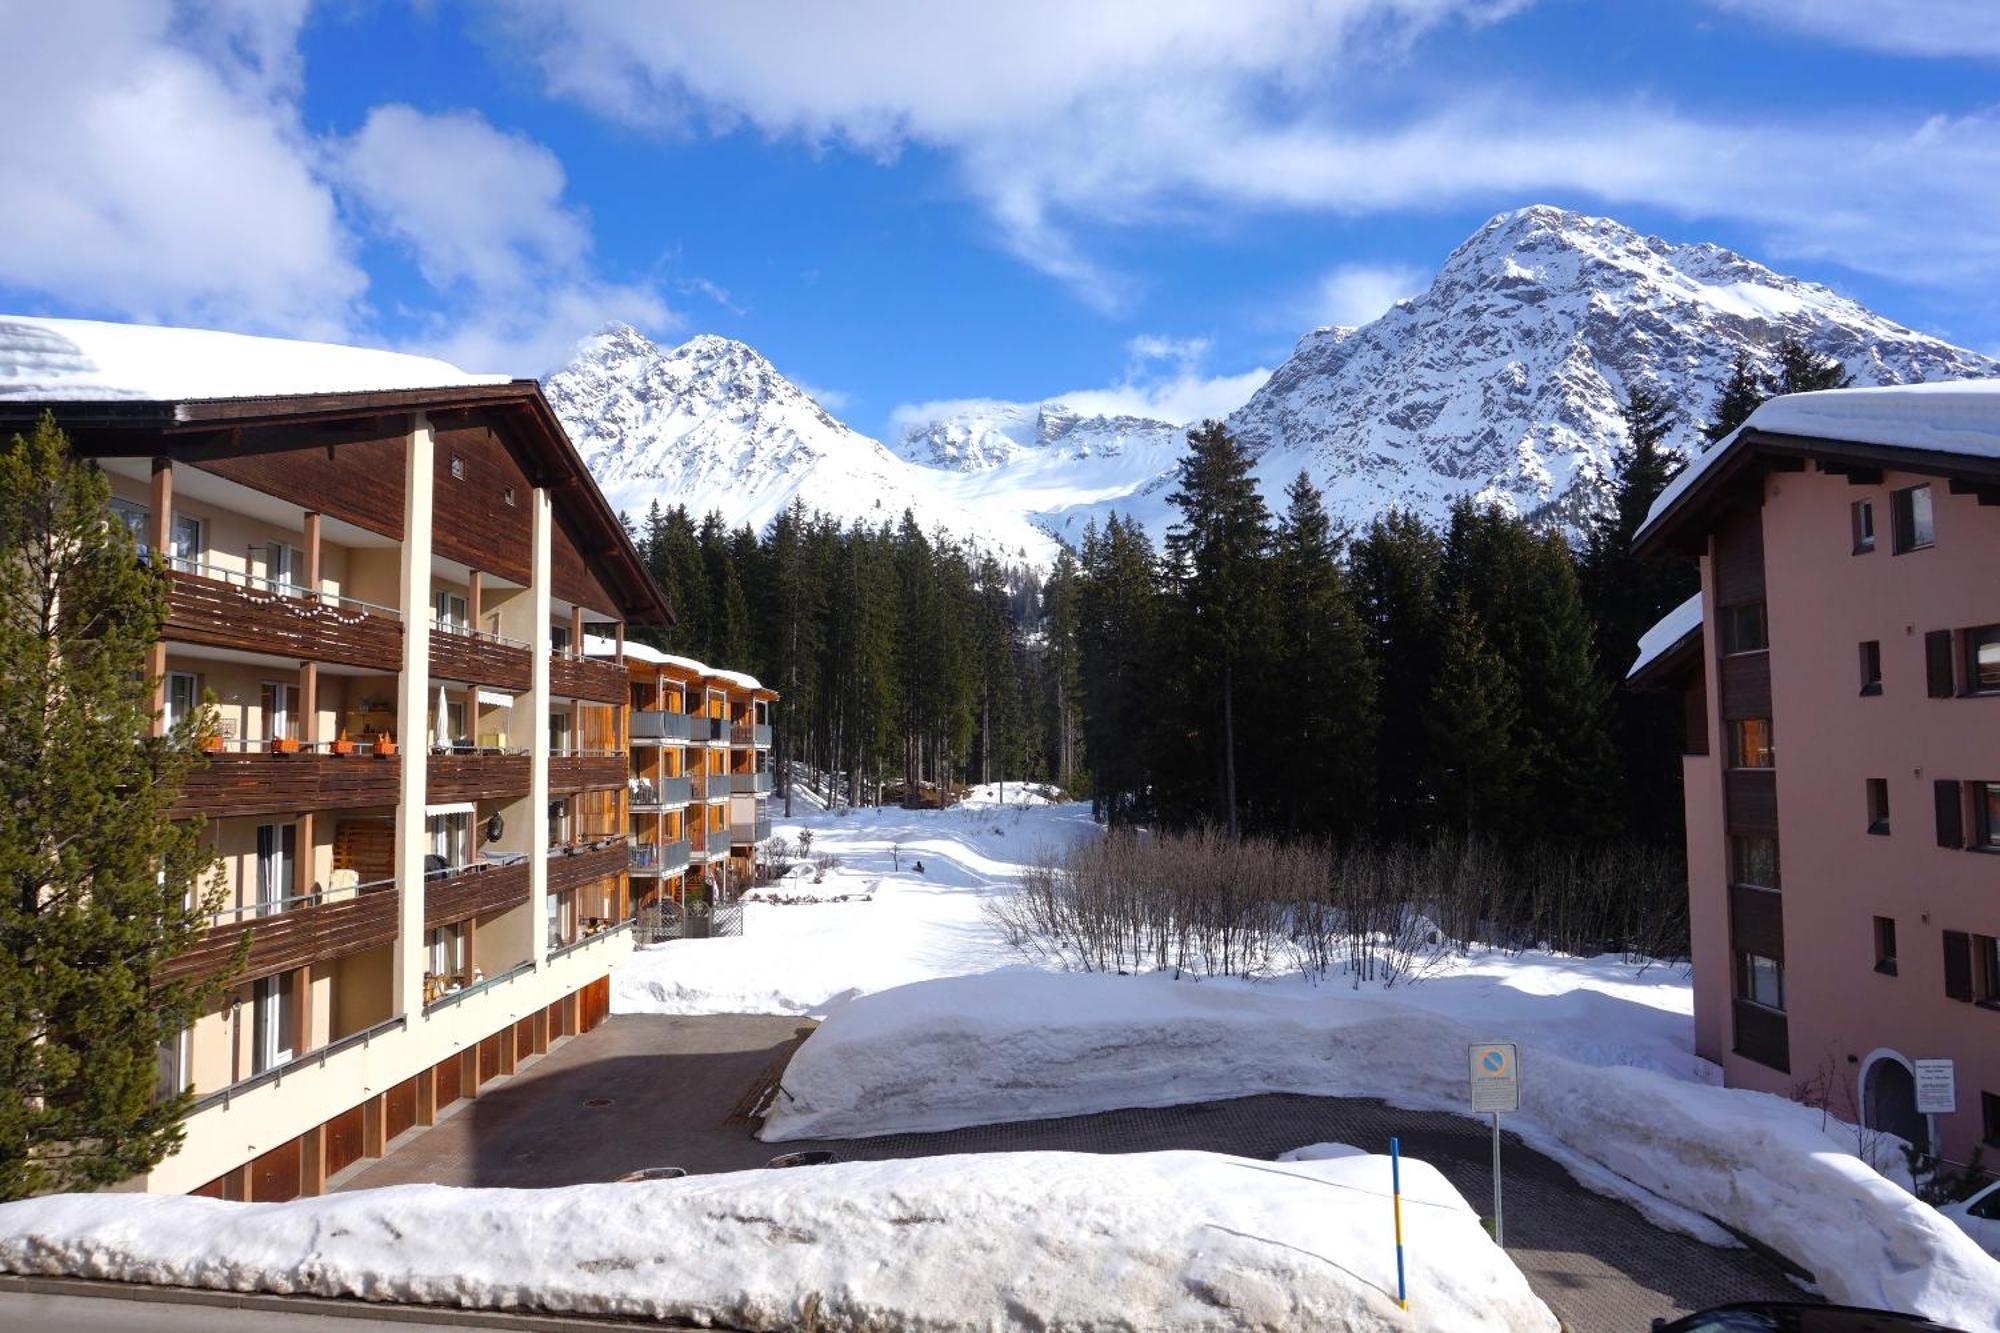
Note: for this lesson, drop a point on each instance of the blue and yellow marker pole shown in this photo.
(1396, 1192)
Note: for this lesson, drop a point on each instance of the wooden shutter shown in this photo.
(1950, 813)
(1957, 965)
(1937, 663)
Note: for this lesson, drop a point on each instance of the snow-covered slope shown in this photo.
(713, 425)
(1503, 379)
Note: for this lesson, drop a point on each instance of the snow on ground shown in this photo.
(797, 958)
(1023, 1044)
(1178, 1240)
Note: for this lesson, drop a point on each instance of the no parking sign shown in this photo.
(1496, 1077)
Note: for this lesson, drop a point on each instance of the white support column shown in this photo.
(412, 712)
(538, 720)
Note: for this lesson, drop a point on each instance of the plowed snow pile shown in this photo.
(1042, 1240)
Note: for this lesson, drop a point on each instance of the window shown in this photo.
(559, 824)
(559, 638)
(277, 863)
(285, 566)
(451, 611)
(457, 468)
(1950, 813)
(446, 948)
(1885, 945)
(558, 733)
(1743, 629)
(1878, 805)
(1864, 526)
(1990, 1104)
(184, 542)
(279, 700)
(450, 838)
(1982, 660)
(183, 696)
(1986, 971)
(134, 517)
(273, 1017)
(1910, 512)
(1986, 816)
(1760, 980)
(1957, 965)
(507, 496)
(172, 1060)
(1750, 744)
(1871, 667)
(1937, 664)
(1754, 862)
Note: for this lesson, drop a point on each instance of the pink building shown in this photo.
(1842, 674)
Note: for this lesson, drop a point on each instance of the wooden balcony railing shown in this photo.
(257, 782)
(593, 678)
(474, 890)
(225, 609)
(311, 929)
(472, 775)
(480, 659)
(586, 864)
(585, 771)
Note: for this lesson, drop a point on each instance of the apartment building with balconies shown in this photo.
(382, 571)
(1841, 668)
(701, 776)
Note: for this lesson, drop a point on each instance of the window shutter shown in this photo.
(1950, 813)
(1957, 965)
(1937, 663)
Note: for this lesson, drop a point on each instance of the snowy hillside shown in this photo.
(713, 425)
(1503, 380)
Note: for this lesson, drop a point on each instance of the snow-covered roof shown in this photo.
(1668, 631)
(595, 645)
(1942, 416)
(76, 360)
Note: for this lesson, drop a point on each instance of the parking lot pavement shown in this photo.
(646, 1090)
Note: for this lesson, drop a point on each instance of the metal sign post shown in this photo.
(1495, 1077)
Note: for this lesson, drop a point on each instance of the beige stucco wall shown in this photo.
(1823, 603)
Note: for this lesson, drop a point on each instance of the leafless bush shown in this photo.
(1202, 903)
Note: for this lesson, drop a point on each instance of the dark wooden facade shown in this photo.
(476, 660)
(475, 522)
(570, 576)
(288, 784)
(224, 615)
(355, 477)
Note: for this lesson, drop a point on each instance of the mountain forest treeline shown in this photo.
(1261, 671)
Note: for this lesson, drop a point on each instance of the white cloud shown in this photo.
(833, 400)
(1063, 119)
(1951, 28)
(1356, 293)
(156, 168)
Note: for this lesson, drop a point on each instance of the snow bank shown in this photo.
(1022, 1044)
(90, 359)
(1158, 1240)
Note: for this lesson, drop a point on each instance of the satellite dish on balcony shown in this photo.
(495, 826)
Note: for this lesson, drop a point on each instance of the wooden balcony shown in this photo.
(313, 931)
(260, 783)
(586, 865)
(474, 776)
(480, 659)
(213, 607)
(590, 678)
(585, 772)
(474, 891)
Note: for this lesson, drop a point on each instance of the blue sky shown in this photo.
(901, 203)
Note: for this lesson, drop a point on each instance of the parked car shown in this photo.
(1979, 1218)
(1787, 1317)
(652, 1173)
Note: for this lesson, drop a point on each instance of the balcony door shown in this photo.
(285, 566)
(451, 840)
(452, 611)
(184, 542)
(280, 699)
(183, 696)
(277, 864)
(274, 1013)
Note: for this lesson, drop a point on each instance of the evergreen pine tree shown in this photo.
(1398, 573)
(1473, 717)
(1743, 393)
(1215, 558)
(1062, 625)
(1802, 370)
(1324, 682)
(99, 882)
